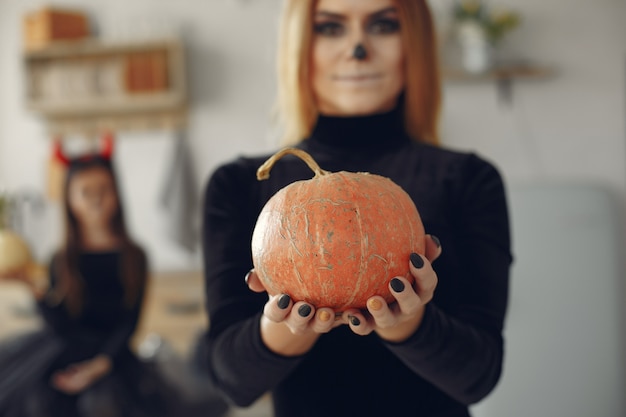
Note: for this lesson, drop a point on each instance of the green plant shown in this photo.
(495, 22)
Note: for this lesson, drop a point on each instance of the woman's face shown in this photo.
(92, 197)
(342, 84)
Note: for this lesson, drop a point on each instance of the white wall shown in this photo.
(565, 333)
(570, 128)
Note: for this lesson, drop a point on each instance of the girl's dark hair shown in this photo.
(69, 287)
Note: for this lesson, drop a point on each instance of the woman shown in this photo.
(80, 364)
(359, 90)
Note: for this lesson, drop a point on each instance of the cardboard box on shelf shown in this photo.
(146, 72)
(50, 24)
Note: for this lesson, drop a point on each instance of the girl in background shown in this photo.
(80, 364)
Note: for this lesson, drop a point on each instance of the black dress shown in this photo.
(105, 326)
(455, 357)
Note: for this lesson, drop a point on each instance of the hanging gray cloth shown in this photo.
(179, 197)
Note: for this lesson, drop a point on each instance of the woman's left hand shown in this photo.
(397, 321)
(80, 376)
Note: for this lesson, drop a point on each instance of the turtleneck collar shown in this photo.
(376, 132)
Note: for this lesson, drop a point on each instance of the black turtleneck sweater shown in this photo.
(454, 359)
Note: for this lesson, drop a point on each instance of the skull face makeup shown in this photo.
(357, 57)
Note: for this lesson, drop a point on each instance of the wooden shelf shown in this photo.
(89, 85)
(93, 125)
(503, 75)
(500, 72)
(95, 47)
(144, 103)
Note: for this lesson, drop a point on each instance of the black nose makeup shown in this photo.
(359, 52)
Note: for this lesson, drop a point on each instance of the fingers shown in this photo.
(377, 316)
(253, 281)
(300, 316)
(398, 320)
(358, 322)
(408, 300)
(433, 248)
(324, 320)
(425, 281)
(381, 312)
(304, 318)
(278, 307)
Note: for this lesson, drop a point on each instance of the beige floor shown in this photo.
(174, 310)
(16, 310)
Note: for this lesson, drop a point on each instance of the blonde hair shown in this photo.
(297, 112)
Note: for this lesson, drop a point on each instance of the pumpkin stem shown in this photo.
(263, 172)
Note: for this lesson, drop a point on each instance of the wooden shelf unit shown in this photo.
(90, 84)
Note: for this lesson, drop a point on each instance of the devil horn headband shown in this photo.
(106, 151)
(107, 146)
(57, 151)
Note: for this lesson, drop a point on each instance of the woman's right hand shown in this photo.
(291, 328)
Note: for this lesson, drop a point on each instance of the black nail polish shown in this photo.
(304, 310)
(436, 240)
(354, 320)
(397, 285)
(417, 260)
(247, 277)
(283, 301)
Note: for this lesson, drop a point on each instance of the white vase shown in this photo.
(476, 50)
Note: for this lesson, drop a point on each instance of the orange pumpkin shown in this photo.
(337, 239)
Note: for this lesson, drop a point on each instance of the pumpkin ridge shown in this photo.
(363, 243)
(303, 285)
(334, 202)
(295, 248)
(300, 213)
(385, 262)
(297, 273)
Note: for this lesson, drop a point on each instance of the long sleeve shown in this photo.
(54, 314)
(118, 340)
(105, 323)
(239, 363)
(461, 350)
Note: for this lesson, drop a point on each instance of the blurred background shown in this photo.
(546, 103)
